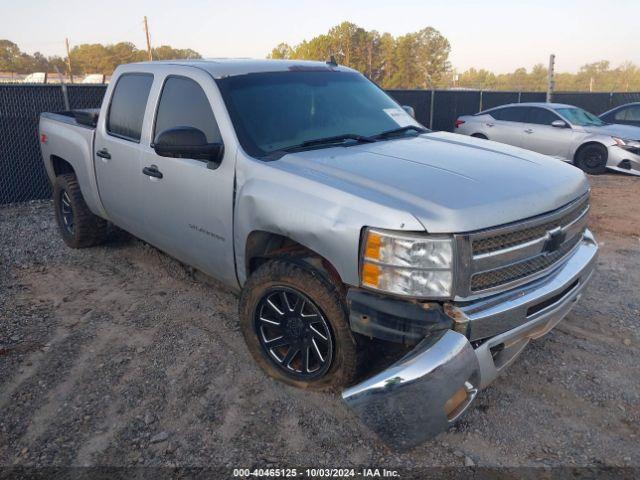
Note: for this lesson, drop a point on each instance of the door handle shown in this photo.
(529, 130)
(489, 124)
(104, 153)
(152, 171)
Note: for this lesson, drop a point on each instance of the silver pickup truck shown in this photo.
(342, 222)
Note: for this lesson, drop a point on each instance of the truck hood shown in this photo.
(628, 132)
(450, 183)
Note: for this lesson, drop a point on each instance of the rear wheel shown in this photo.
(592, 158)
(480, 135)
(78, 226)
(295, 325)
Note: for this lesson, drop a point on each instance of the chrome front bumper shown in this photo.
(427, 390)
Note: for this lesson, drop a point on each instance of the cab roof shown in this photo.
(225, 67)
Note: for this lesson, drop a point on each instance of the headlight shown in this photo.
(415, 265)
(621, 142)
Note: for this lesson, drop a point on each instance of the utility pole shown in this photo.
(146, 31)
(66, 42)
(551, 81)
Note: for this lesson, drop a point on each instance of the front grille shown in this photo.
(504, 257)
(499, 242)
(520, 270)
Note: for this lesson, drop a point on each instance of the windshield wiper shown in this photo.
(396, 131)
(337, 139)
(319, 142)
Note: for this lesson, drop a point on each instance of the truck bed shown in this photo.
(67, 138)
(87, 117)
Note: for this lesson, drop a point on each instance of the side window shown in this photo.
(628, 114)
(128, 103)
(183, 103)
(541, 116)
(509, 114)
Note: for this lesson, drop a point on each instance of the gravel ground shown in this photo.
(118, 355)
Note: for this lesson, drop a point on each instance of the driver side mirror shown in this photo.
(409, 110)
(559, 124)
(187, 142)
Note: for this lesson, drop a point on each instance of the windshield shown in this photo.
(582, 118)
(275, 111)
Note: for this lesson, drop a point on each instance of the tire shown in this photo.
(592, 158)
(78, 226)
(480, 135)
(297, 278)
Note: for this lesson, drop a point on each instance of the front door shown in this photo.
(541, 137)
(189, 203)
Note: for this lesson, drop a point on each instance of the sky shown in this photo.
(497, 35)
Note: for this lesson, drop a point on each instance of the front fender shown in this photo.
(324, 219)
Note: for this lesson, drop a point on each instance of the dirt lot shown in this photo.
(118, 356)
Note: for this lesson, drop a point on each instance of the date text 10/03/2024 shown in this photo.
(315, 473)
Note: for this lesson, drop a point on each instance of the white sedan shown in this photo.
(562, 131)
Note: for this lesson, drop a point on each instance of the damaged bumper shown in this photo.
(427, 390)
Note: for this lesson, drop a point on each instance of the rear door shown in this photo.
(505, 125)
(189, 211)
(117, 150)
(541, 137)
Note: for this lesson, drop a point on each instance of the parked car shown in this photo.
(561, 131)
(338, 218)
(628, 114)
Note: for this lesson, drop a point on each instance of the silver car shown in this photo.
(561, 131)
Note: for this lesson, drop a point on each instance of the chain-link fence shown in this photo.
(22, 174)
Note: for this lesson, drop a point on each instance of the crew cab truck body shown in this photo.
(338, 219)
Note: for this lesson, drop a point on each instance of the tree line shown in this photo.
(85, 58)
(414, 60)
(421, 60)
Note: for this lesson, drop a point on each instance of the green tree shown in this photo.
(9, 55)
(282, 52)
(415, 60)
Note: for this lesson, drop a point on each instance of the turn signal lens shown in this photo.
(372, 248)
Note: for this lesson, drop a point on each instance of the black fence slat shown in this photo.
(448, 105)
(495, 99)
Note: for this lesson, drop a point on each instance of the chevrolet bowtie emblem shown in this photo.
(555, 239)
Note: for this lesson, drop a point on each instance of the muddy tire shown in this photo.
(289, 301)
(592, 158)
(78, 227)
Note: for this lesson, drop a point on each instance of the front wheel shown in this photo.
(295, 325)
(592, 158)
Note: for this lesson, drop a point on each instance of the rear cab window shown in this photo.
(128, 104)
(509, 114)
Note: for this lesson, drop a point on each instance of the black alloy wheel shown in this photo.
(293, 333)
(66, 212)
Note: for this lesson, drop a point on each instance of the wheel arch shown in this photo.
(480, 135)
(261, 246)
(60, 166)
